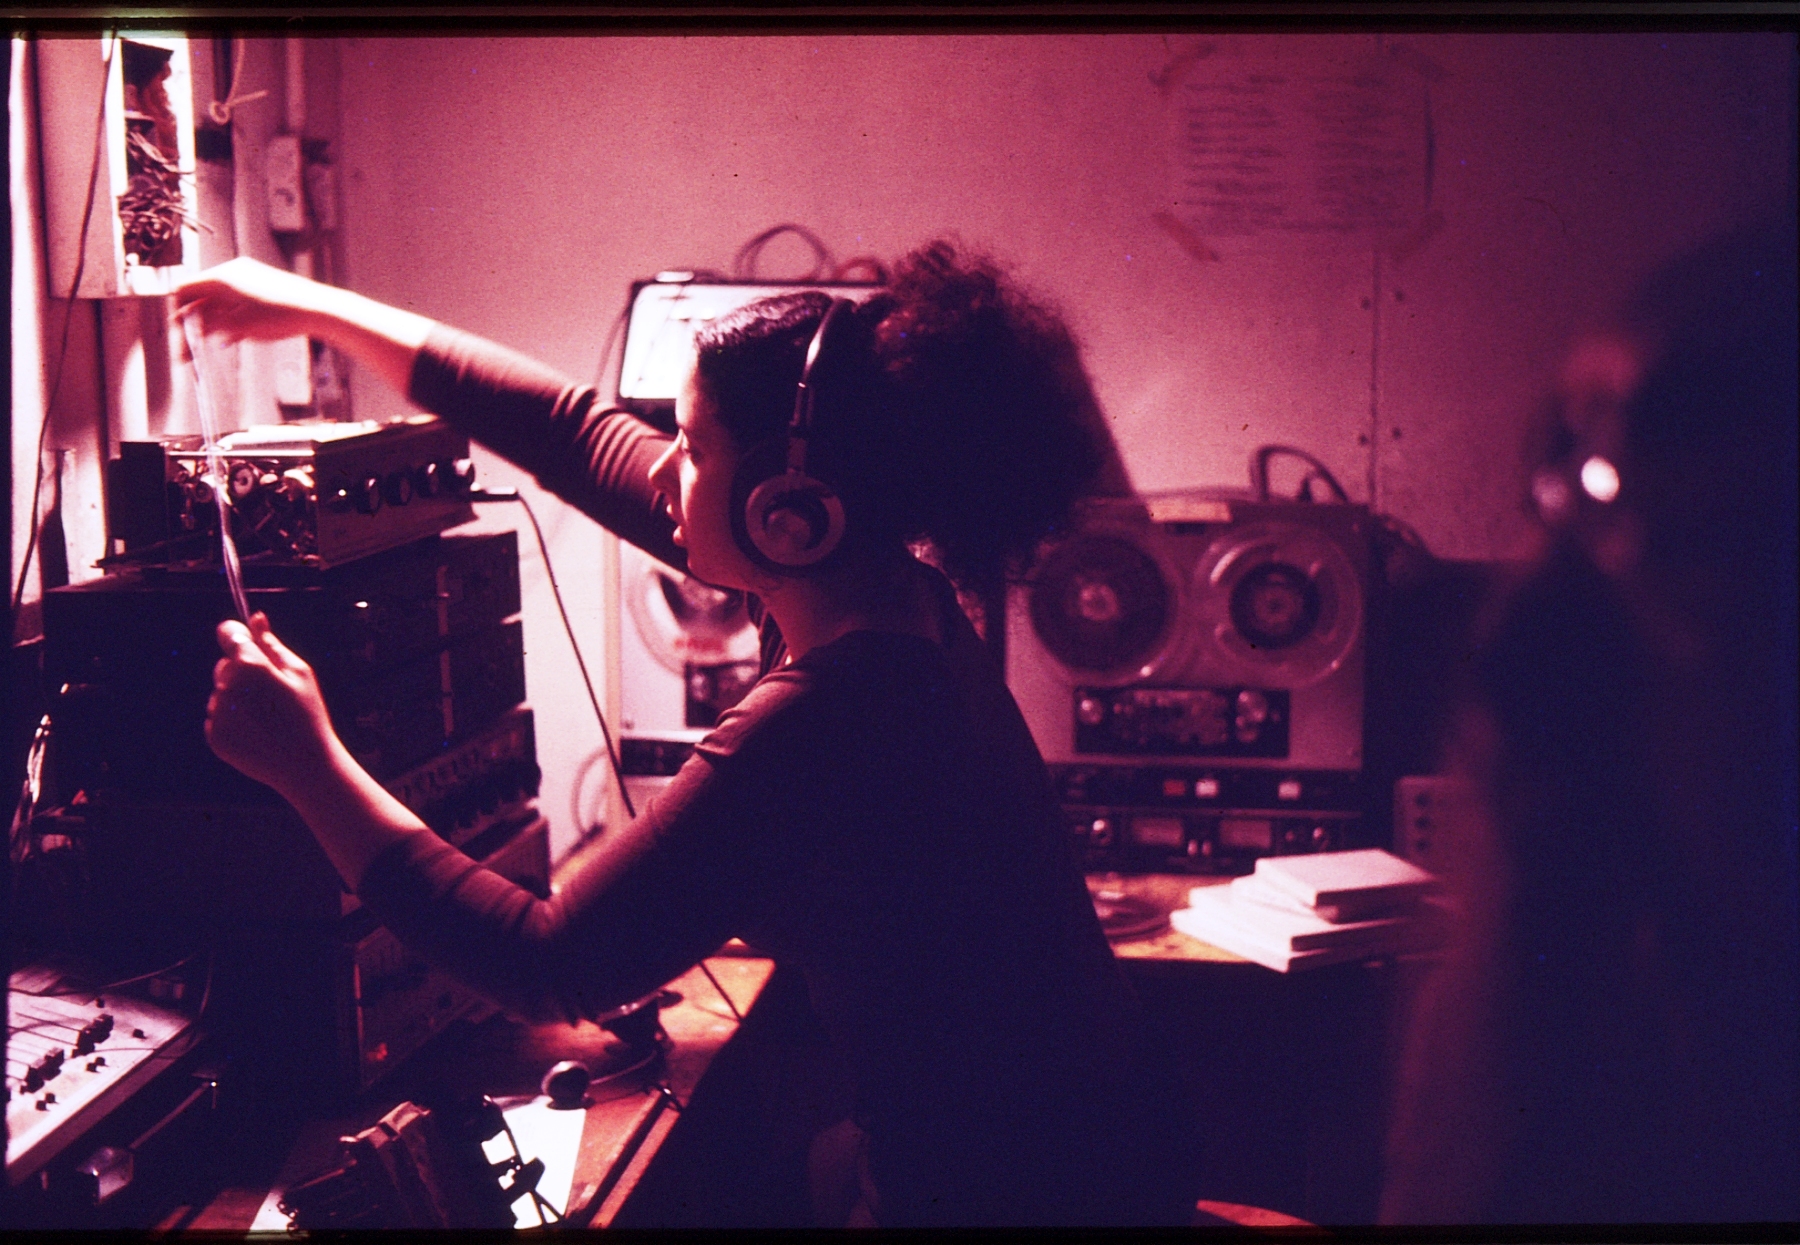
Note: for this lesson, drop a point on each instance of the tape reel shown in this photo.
(1274, 599)
(1159, 612)
(684, 622)
(1107, 604)
(1278, 604)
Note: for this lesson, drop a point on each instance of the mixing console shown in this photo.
(72, 1055)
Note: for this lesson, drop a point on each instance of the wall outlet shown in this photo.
(322, 194)
(283, 168)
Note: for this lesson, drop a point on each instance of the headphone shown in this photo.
(1577, 485)
(786, 520)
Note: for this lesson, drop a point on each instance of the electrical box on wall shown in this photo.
(117, 115)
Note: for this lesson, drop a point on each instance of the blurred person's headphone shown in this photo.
(1576, 482)
(786, 519)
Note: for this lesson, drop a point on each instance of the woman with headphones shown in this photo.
(874, 813)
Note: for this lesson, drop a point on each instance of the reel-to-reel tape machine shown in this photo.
(1192, 665)
(688, 654)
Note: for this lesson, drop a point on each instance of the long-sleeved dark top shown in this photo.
(875, 814)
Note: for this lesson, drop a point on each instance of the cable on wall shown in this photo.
(743, 267)
(613, 335)
(1259, 472)
(62, 350)
(220, 110)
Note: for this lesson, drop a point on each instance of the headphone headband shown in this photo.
(801, 425)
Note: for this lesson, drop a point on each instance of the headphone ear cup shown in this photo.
(784, 521)
(794, 520)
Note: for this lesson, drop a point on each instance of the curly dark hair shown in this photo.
(952, 409)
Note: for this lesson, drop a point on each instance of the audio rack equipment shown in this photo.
(661, 317)
(167, 870)
(647, 763)
(1191, 665)
(690, 649)
(392, 1001)
(315, 494)
(306, 984)
(465, 791)
(688, 654)
(412, 647)
(419, 652)
(304, 976)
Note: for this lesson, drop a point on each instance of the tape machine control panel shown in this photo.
(1182, 721)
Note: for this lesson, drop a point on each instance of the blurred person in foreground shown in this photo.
(1616, 1039)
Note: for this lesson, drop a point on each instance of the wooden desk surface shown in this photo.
(618, 1144)
(623, 1124)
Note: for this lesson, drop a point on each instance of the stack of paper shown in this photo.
(1303, 911)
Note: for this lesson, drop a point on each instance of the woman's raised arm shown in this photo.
(243, 299)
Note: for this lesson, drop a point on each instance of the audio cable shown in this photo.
(215, 463)
(1259, 472)
(612, 337)
(612, 752)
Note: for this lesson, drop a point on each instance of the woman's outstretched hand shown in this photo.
(266, 717)
(244, 299)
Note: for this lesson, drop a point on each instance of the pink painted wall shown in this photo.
(515, 186)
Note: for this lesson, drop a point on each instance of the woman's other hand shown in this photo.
(266, 716)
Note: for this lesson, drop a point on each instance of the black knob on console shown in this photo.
(368, 494)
